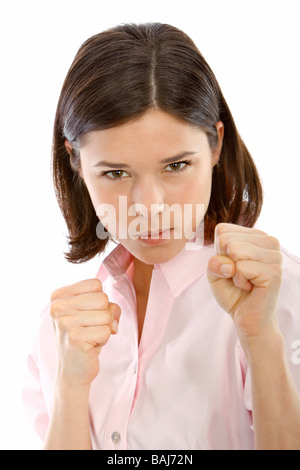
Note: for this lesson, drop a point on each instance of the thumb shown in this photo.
(220, 267)
(116, 312)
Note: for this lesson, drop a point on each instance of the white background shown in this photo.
(253, 48)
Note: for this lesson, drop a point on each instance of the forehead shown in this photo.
(155, 132)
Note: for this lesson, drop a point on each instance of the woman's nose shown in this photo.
(148, 199)
(141, 209)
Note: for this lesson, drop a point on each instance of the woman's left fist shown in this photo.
(249, 292)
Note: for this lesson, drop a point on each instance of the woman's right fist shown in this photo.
(83, 320)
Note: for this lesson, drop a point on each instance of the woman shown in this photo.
(184, 338)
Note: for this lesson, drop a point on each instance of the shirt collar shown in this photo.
(187, 266)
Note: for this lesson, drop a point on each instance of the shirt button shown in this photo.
(135, 368)
(115, 437)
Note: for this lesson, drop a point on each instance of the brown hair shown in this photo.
(118, 75)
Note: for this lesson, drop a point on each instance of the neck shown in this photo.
(142, 275)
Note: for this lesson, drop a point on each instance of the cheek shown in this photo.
(194, 190)
(197, 194)
(105, 203)
(99, 193)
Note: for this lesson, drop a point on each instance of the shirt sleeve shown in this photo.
(33, 398)
(288, 314)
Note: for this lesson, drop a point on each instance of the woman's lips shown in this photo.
(154, 233)
(156, 238)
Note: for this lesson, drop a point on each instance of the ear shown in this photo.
(68, 146)
(217, 150)
(69, 149)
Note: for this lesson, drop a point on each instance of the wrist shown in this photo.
(69, 426)
(263, 346)
(68, 389)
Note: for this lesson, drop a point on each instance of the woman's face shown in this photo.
(134, 187)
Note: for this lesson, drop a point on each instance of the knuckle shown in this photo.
(104, 335)
(277, 272)
(233, 250)
(106, 332)
(106, 317)
(63, 324)
(279, 258)
(275, 243)
(57, 307)
(221, 228)
(104, 300)
(96, 285)
(55, 295)
(272, 242)
(222, 242)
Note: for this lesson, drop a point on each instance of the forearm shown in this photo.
(69, 422)
(275, 401)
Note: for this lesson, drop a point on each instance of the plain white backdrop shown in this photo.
(253, 48)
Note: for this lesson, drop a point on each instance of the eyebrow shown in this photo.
(165, 160)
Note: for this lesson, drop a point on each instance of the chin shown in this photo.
(157, 254)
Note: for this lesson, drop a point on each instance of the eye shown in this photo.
(176, 168)
(118, 175)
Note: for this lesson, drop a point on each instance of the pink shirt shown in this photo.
(186, 385)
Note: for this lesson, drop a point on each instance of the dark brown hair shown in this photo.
(118, 75)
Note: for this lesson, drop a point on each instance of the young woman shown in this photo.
(188, 336)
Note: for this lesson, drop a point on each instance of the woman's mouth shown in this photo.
(156, 238)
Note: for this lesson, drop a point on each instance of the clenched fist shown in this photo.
(249, 290)
(83, 320)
